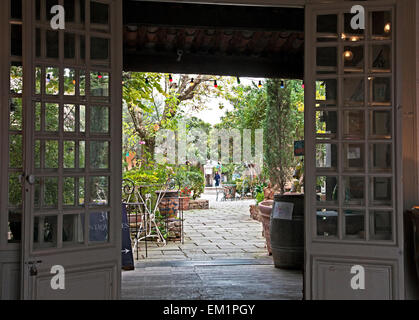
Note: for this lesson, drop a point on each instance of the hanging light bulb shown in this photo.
(282, 84)
(238, 80)
(48, 78)
(215, 84)
(387, 27)
(192, 82)
(74, 81)
(348, 55)
(260, 84)
(170, 78)
(99, 76)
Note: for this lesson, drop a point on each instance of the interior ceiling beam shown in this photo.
(286, 67)
(213, 16)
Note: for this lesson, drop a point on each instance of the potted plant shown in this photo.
(185, 194)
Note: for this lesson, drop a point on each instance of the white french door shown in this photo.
(72, 149)
(353, 213)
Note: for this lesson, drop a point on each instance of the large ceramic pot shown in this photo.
(265, 209)
(169, 205)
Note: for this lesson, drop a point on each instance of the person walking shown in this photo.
(217, 179)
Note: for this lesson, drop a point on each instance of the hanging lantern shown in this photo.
(99, 76)
(387, 27)
(260, 84)
(215, 84)
(74, 81)
(238, 80)
(192, 82)
(48, 78)
(170, 78)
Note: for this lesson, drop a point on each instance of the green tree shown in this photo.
(282, 126)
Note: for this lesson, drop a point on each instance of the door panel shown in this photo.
(353, 212)
(11, 154)
(378, 276)
(72, 150)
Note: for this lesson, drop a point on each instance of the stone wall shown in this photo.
(198, 204)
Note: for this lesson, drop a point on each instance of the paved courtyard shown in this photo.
(223, 257)
(222, 232)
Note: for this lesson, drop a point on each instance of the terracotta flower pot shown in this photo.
(255, 212)
(265, 208)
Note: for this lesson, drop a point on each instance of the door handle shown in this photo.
(31, 179)
(33, 270)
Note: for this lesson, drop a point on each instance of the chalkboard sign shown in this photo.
(98, 227)
(299, 148)
(127, 257)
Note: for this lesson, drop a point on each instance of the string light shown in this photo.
(170, 78)
(99, 76)
(348, 55)
(260, 84)
(282, 84)
(192, 82)
(215, 84)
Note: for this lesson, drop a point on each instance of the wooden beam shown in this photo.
(210, 16)
(287, 66)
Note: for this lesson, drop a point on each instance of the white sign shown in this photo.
(58, 280)
(358, 280)
(283, 210)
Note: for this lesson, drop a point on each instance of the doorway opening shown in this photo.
(213, 66)
(207, 135)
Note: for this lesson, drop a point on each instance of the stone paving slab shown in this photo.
(208, 282)
(224, 230)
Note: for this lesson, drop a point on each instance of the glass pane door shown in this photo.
(71, 144)
(354, 128)
(72, 211)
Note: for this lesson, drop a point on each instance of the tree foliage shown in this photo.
(282, 126)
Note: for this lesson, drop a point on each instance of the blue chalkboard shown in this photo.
(99, 227)
(127, 256)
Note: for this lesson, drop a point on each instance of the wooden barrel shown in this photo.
(287, 231)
